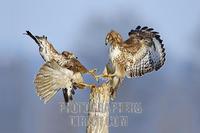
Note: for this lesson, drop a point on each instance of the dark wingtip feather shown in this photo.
(157, 36)
(144, 28)
(150, 29)
(162, 61)
(154, 32)
(138, 27)
(160, 40)
(163, 50)
(131, 32)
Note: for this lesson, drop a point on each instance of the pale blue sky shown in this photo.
(61, 20)
(170, 97)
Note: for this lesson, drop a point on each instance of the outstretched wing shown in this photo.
(73, 63)
(75, 66)
(51, 78)
(149, 55)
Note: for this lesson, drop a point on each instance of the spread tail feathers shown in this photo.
(51, 78)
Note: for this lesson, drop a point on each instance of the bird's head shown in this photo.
(42, 40)
(113, 38)
(69, 55)
(46, 49)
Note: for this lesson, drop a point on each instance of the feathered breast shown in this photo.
(115, 54)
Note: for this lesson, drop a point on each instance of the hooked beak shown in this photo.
(32, 36)
(106, 41)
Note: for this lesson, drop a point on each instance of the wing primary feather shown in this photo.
(144, 28)
(131, 32)
(150, 29)
(157, 36)
(154, 32)
(138, 27)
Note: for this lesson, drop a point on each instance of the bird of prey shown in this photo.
(141, 53)
(61, 71)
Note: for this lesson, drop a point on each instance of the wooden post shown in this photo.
(98, 109)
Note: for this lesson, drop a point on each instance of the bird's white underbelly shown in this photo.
(114, 53)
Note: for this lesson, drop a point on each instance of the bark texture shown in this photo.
(98, 114)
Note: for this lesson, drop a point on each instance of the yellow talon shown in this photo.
(93, 73)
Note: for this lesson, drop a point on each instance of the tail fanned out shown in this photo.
(50, 79)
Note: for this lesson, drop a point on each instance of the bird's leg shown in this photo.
(107, 73)
(82, 85)
(104, 75)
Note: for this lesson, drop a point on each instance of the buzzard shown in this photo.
(141, 53)
(61, 71)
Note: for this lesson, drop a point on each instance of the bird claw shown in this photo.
(97, 77)
(93, 73)
(93, 70)
(105, 76)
